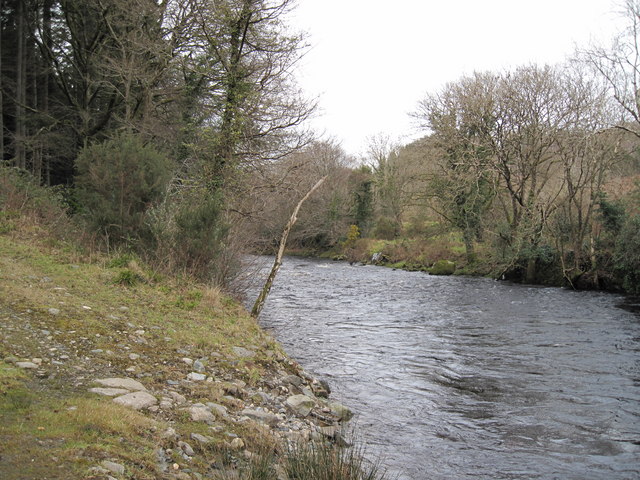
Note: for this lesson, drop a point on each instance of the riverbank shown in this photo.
(109, 370)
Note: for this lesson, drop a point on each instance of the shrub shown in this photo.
(22, 199)
(117, 181)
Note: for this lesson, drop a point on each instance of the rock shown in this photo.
(243, 352)
(196, 377)
(136, 400)
(198, 366)
(11, 359)
(134, 356)
(321, 388)
(170, 434)
(54, 311)
(26, 365)
(200, 438)
(186, 448)
(300, 404)
(188, 361)
(201, 414)
(237, 443)
(113, 467)
(219, 409)
(128, 383)
(340, 411)
(109, 392)
(293, 380)
(261, 416)
(180, 399)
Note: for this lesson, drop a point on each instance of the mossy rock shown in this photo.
(443, 267)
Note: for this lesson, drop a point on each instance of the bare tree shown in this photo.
(619, 66)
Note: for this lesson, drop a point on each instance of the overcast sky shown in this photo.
(371, 61)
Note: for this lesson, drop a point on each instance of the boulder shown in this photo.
(109, 392)
(137, 400)
(340, 411)
(261, 416)
(127, 383)
(443, 267)
(300, 404)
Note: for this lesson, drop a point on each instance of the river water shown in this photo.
(468, 378)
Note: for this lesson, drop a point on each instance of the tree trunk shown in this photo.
(21, 88)
(257, 307)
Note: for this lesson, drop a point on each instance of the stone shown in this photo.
(109, 392)
(170, 434)
(136, 400)
(188, 361)
(128, 383)
(293, 380)
(340, 411)
(200, 438)
(26, 365)
(198, 366)
(300, 404)
(237, 443)
(113, 467)
(177, 397)
(261, 416)
(186, 448)
(134, 356)
(243, 352)
(201, 414)
(196, 377)
(219, 409)
(54, 311)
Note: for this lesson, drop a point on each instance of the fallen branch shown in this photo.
(257, 307)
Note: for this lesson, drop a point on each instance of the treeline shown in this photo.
(531, 174)
(148, 115)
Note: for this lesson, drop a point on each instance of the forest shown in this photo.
(175, 129)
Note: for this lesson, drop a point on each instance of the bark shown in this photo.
(21, 88)
(257, 307)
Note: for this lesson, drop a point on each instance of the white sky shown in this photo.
(371, 61)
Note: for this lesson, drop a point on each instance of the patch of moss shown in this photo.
(443, 267)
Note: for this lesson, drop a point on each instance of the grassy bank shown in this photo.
(72, 318)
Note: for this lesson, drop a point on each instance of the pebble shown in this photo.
(134, 356)
(54, 311)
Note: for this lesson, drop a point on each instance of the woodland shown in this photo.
(175, 129)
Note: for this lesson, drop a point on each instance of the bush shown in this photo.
(627, 255)
(190, 235)
(117, 181)
(22, 199)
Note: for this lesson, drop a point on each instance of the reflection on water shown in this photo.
(459, 378)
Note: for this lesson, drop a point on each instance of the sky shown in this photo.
(371, 61)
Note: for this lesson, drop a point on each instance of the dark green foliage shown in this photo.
(117, 182)
(612, 214)
(627, 255)
(199, 236)
(363, 204)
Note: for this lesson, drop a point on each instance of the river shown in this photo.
(469, 378)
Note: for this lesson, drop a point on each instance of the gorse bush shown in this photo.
(117, 181)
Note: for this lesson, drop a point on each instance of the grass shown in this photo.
(79, 315)
(52, 427)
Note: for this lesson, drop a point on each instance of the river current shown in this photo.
(469, 378)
